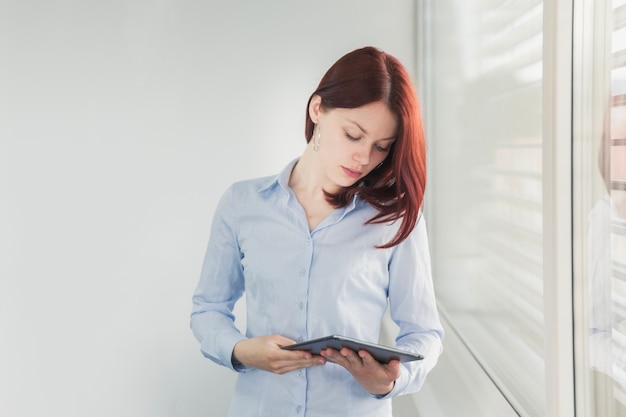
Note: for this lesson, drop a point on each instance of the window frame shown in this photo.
(558, 205)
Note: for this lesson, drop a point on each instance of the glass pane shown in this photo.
(604, 227)
(484, 81)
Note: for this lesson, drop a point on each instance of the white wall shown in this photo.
(121, 122)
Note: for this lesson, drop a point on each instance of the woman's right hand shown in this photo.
(264, 352)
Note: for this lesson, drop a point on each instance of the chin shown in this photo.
(343, 181)
(349, 183)
(339, 185)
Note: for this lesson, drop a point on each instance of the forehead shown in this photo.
(374, 119)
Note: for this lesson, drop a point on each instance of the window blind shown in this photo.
(615, 174)
(485, 204)
(603, 207)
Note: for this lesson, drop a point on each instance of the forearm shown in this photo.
(217, 336)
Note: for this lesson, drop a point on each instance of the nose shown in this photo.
(363, 154)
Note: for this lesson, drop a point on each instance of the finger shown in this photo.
(302, 359)
(367, 359)
(329, 352)
(351, 356)
(282, 340)
(334, 356)
(310, 360)
(276, 353)
(288, 365)
(300, 354)
(393, 364)
(393, 369)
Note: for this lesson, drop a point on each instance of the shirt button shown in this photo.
(299, 374)
(302, 272)
(298, 408)
(301, 305)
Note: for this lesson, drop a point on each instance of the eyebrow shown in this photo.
(365, 131)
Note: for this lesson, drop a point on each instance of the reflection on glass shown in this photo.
(606, 237)
(607, 271)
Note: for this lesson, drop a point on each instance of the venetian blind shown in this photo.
(615, 174)
(485, 205)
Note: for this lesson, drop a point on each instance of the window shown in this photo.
(482, 76)
(600, 207)
(507, 163)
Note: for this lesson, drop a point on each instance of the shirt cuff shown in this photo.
(223, 347)
(236, 365)
(398, 386)
(229, 347)
(381, 396)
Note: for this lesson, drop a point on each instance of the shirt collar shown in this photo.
(282, 180)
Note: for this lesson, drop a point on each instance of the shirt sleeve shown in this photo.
(413, 308)
(221, 284)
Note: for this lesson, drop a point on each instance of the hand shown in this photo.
(264, 352)
(376, 378)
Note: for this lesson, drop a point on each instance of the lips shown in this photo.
(351, 173)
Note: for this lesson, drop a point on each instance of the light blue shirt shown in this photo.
(304, 285)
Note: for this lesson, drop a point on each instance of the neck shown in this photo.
(308, 176)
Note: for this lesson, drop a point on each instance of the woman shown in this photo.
(325, 247)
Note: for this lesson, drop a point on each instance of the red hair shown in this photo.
(396, 188)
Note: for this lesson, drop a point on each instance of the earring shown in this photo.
(316, 143)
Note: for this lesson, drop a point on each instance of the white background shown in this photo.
(121, 123)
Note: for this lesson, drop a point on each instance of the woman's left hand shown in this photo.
(376, 378)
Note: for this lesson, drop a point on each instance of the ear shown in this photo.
(315, 108)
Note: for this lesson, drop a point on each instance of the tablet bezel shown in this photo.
(383, 354)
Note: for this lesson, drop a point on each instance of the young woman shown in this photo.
(323, 248)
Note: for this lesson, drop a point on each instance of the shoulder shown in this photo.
(263, 185)
(257, 189)
(247, 193)
(251, 186)
(417, 239)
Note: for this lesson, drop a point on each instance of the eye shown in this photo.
(381, 148)
(351, 138)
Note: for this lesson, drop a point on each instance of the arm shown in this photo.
(413, 308)
(221, 285)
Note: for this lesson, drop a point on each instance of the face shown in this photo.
(352, 141)
(618, 171)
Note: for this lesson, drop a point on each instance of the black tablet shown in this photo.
(383, 354)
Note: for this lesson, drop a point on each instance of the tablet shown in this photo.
(383, 354)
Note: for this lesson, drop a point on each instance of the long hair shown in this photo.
(396, 188)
